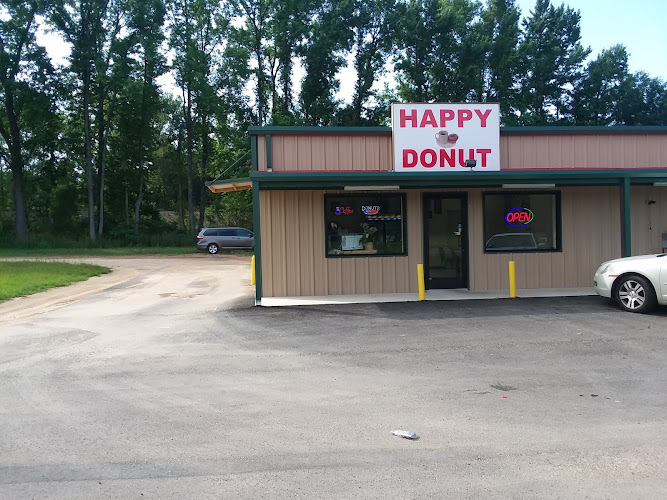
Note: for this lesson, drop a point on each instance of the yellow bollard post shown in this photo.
(252, 271)
(512, 280)
(420, 279)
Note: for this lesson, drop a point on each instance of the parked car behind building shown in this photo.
(214, 239)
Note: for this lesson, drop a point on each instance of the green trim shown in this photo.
(620, 129)
(253, 151)
(227, 181)
(269, 153)
(626, 231)
(337, 180)
(255, 130)
(257, 231)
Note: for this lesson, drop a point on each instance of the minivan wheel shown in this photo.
(213, 248)
(635, 294)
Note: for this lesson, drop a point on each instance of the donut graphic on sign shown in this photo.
(445, 140)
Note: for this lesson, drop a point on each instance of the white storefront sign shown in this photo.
(441, 137)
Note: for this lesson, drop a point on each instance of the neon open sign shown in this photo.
(519, 217)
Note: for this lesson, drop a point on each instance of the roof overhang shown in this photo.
(407, 180)
(224, 186)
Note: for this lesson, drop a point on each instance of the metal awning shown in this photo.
(224, 186)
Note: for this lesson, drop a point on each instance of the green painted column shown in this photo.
(258, 242)
(626, 219)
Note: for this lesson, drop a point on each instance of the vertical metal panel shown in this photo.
(649, 221)
(335, 276)
(295, 222)
(290, 152)
(582, 151)
(278, 152)
(265, 202)
(304, 153)
(345, 154)
(372, 152)
(375, 275)
(330, 150)
(306, 240)
(358, 152)
(318, 156)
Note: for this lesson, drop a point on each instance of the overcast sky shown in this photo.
(637, 24)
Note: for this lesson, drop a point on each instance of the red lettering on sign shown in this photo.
(431, 162)
(483, 116)
(464, 116)
(483, 152)
(428, 119)
(409, 158)
(404, 117)
(446, 115)
(450, 156)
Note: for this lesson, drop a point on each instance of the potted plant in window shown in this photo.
(369, 237)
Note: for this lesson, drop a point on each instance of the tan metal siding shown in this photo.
(590, 235)
(583, 151)
(649, 222)
(517, 151)
(331, 152)
(293, 260)
(294, 264)
(261, 153)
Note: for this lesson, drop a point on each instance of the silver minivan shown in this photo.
(213, 239)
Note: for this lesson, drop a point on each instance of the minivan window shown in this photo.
(244, 233)
(227, 232)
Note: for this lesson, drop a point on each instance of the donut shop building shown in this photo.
(353, 211)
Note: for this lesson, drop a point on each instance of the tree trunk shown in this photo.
(19, 204)
(181, 214)
(188, 131)
(102, 163)
(13, 140)
(137, 205)
(88, 151)
(204, 163)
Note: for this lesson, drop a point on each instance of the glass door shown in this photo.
(445, 240)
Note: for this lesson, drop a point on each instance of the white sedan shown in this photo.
(637, 283)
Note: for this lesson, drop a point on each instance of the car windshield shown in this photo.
(513, 241)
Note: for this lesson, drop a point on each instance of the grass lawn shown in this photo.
(23, 278)
(111, 252)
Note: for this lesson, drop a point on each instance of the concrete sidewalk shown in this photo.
(450, 294)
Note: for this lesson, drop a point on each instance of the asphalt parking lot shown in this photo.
(183, 396)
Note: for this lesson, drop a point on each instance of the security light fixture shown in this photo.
(471, 163)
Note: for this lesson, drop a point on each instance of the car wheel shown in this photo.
(635, 294)
(213, 248)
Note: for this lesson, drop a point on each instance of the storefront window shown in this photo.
(522, 222)
(365, 224)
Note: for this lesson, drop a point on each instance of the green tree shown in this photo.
(552, 57)
(22, 65)
(328, 36)
(598, 95)
(502, 65)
